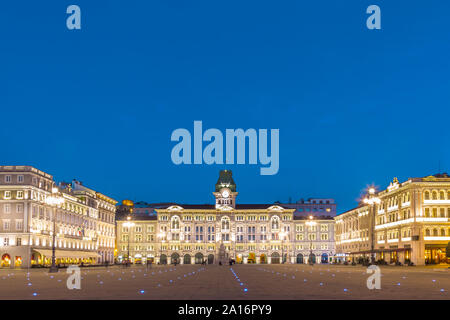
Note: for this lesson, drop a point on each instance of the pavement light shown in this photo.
(142, 291)
(345, 290)
(245, 290)
(34, 294)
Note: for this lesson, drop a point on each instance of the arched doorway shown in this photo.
(263, 259)
(251, 258)
(187, 259)
(299, 258)
(275, 258)
(175, 258)
(324, 258)
(312, 258)
(198, 258)
(210, 259)
(163, 259)
(6, 260)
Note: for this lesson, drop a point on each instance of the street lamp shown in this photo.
(310, 223)
(129, 225)
(160, 236)
(54, 200)
(282, 236)
(372, 200)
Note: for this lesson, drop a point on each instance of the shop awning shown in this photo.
(68, 254)
(380, 250)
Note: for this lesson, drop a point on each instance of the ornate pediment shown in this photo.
(175, 208)
(393, 185)
(275, 208)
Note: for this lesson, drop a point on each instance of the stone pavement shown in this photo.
(238, 282)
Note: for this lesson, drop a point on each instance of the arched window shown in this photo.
(443, 232)
(427, 232)
(435, 195)
(441, 195)
(426, 195)
(435, 232)
(225, 223)
(175, 223)
(275, 222)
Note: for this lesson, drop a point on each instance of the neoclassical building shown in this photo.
(247, 233)
(406, 222)
(83, 220)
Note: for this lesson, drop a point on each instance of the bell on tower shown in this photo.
(225, 191)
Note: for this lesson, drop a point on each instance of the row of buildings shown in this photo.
(408, 222)
(34, 211)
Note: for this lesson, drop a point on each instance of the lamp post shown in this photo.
(54, 200)
(160, 236)
(129, 225)
(282, 236)
(310, 223)
(372, 200)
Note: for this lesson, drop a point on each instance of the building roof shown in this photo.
(213, 206)
(138, 217)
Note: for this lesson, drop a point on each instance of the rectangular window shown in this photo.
(20, 178)
(19, 195)
(8, 179)
(6, 225)
(7, 208)
(19, 225)
(7, 195)
(19, 208)
(18, 241)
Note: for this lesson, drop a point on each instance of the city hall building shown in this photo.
(83, 220)
(247, 233)
(407, 222)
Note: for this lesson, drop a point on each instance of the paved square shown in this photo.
(225, 282)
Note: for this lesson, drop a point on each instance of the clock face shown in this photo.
(225, 194)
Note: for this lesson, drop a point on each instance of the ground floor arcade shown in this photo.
(240, 258)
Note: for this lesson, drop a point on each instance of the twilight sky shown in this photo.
(354, 106)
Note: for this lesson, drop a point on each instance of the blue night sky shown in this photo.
(354, 106)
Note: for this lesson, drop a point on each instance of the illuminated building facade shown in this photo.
(27, 220)
(408, 222)
(247, 233)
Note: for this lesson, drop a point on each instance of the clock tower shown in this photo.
(225, 191)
